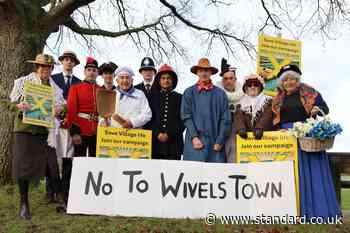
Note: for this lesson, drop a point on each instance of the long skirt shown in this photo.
(317, 193)
(30, 156)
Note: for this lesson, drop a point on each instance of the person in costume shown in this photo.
(106, 70)
(63, 144)
(31, 151)
(148, 71)
(167, 126)
(296, 102)
(82, 116)
(131, 109)
(233, 90)
(253, 113)
(206, 115)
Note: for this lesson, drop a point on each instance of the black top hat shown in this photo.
(225, 67)
(147, 63)
(109, 67)
(91, 62)
(290, 67)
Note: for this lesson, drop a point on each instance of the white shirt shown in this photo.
(65, 77)
(136, 110)
(150, 83)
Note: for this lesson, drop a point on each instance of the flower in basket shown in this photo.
(301, 129)
(317, 129)
(325, 130)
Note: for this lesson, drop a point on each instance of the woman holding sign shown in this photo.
(31, 152)
(296, 102)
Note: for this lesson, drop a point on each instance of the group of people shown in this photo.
(212, 115)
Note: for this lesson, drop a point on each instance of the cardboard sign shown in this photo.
(273, 53)
(41, 98)
(180, 189)
(123, 143)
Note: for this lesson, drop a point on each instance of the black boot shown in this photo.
(24, 212)
(61, 207)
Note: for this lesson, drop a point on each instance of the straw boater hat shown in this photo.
(204, 63)
(43, 59)
(71, 54)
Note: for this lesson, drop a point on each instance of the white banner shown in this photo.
(181, 189)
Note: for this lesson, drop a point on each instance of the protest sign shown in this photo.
(273, 53)
(41, 99)
(123, 143)
(180, 189)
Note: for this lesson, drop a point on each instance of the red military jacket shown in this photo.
(82, 99)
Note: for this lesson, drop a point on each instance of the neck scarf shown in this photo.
(128, 93)
(201, 86)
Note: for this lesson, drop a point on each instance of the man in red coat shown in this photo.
(82, 116)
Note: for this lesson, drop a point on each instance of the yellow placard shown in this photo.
(273, 53)
(123, 143)
(274, 146)
(41, 99)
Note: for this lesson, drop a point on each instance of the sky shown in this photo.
(325, 62)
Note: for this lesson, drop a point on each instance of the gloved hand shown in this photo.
(258, 133)
(243, 133)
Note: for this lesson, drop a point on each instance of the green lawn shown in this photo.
(45, 219)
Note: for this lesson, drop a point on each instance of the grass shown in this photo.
(45, 219)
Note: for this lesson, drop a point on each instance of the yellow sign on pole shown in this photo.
(274, 146)
(41, 99)
(273, 53)
(123, 143)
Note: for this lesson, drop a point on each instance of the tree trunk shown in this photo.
(17, 44)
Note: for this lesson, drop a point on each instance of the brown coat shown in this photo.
(263, 119)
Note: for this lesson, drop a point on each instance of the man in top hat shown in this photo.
(32, 151)
(148, 71)
(106, 70)
(233, 90)
(64, 146)
(205, 112)
(82, 116)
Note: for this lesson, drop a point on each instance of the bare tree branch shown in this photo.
(269, 17)
(75, 27)
(216, 31)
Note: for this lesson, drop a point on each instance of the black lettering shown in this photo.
(223, 190)
(170, 188)
(251, 191)
(237, 177)
(202, 190)
(275, 190)
(96, 187)
(262, 194)
(131, 181)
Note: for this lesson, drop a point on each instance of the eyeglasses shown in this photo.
(253, 84)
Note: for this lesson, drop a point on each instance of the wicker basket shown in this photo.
(315, 145)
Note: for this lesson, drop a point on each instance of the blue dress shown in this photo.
(317, 194)
(205, 115)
